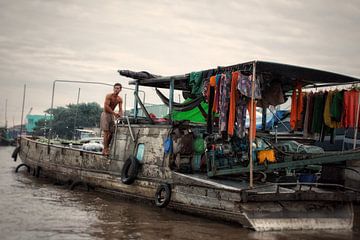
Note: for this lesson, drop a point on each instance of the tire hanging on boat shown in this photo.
(15, 153)
(163, 195)
(130, 170)
(21, 165)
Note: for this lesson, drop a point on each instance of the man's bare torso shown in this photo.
(113, 100)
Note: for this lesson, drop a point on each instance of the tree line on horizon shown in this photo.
(66, 119)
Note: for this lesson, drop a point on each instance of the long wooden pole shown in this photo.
(22, 111)
(76, 113)
(6, 122)
(251, 127)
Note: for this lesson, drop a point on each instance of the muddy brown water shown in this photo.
(32, 208)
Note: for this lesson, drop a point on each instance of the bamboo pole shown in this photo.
(251, 127)
(22, 111)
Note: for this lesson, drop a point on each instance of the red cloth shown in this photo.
(296, 106)
(213, 84)
(351, 101)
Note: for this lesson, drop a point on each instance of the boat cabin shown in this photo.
(215, 130)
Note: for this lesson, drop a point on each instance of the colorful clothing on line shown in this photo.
(232, 107)
(328, 120)
(351, 102)
(241, 104)
(244, 86)
(196, 83)
(217, 93)
(307, 114)
(318, 119)
(336, 108)
(224, 101)
(296, 106)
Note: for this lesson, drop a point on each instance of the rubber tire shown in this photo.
(160, 201)
(15, 153)
(21, 165)
(130, 170)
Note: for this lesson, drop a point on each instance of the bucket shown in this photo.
(196, 162)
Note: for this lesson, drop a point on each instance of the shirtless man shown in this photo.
(108, 115)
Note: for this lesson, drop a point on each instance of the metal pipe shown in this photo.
(130, 129)
(263, 119)
(125, 103)
(280, 121)
(251, 128)
(22, 111)
(171, 98)
(76, 112)
(6, 101)
(51, 113)
(136, 101)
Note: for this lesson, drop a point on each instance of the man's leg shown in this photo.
(106, 143)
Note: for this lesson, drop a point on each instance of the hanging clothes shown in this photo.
(241, 103)
(296, 106)
(336, 108)
(328, 120)
(210, 122)
(351, 101)
(196, 83)
(224, 99)
(311, 111)
(318, 111)
(217, 93)
(300, 122)
(244, 86)
(272, 95)
(307, 114)
(232, 107)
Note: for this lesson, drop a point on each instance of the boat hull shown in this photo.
(193, 194)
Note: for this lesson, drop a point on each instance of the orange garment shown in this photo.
(213, 84)
(351, 101)
(252, 120)
(232, 108)
(296, 106)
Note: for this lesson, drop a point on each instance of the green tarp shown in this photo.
(193, 115)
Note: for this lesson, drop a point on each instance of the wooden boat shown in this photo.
(152, 161)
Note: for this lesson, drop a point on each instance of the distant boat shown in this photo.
(5, 137)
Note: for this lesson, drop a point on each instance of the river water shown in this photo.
(32, 208)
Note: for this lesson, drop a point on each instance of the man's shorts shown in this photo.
(107, 122)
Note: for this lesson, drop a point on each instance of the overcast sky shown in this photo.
(89, 40)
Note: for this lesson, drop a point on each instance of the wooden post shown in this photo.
(171, 98)
(251, 127)
(136, 101)
(22, 111)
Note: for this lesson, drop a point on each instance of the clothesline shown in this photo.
(323, 111)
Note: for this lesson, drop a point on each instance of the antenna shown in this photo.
(6, 113)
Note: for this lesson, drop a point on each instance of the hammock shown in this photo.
(181, 107)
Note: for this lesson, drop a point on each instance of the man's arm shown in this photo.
(121, 113)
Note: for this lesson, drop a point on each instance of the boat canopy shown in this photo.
(287, 75)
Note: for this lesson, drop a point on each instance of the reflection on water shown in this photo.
(32, 208)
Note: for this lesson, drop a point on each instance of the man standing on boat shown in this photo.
(107, 124)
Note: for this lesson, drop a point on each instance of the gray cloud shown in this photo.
(41, 41)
